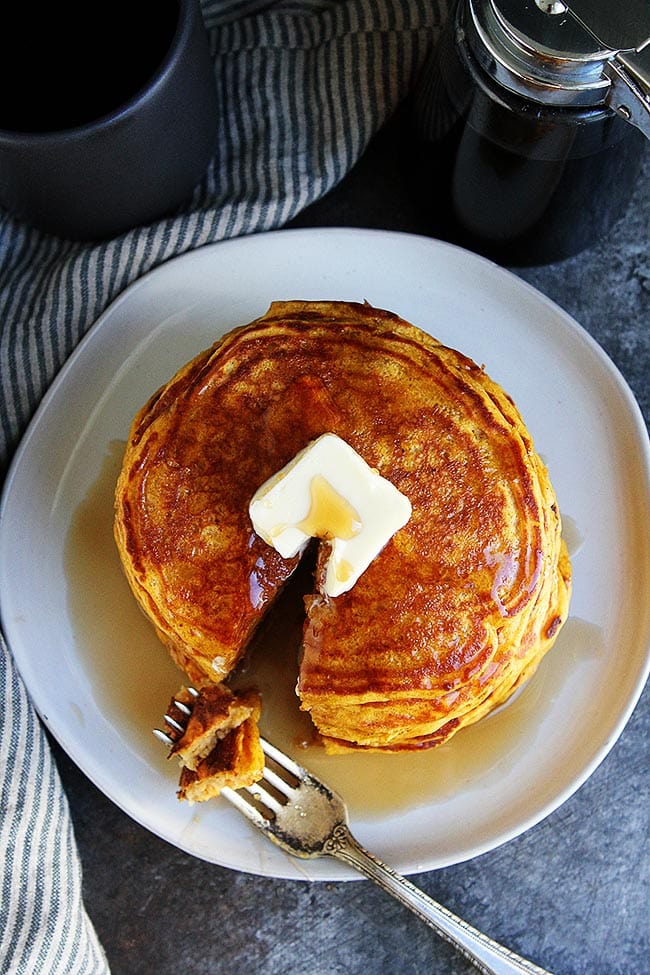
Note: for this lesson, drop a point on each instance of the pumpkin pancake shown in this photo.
(458, 607)
(215, 737)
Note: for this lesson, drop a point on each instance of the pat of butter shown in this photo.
(328, 491)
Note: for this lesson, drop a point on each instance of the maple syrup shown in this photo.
(132, 679)
(515, 159)
(330, 515)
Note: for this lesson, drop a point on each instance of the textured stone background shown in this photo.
(571, 894)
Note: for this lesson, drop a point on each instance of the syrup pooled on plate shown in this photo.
(132, 678)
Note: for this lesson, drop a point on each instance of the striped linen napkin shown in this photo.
(303, 86)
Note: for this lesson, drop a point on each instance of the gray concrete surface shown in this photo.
(571, 893)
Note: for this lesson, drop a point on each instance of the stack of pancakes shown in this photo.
(457, 609)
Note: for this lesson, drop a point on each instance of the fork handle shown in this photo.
(487, 955)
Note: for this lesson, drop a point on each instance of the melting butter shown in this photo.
(328, 491)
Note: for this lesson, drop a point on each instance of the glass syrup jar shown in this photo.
(530, 126)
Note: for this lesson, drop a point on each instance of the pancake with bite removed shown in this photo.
(460, 605)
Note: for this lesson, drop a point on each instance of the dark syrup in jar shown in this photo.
(518, 181)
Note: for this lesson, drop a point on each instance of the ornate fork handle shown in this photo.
(487, 955)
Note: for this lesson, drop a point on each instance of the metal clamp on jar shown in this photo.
(531, 116)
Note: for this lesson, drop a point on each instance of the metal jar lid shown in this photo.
(566, 53)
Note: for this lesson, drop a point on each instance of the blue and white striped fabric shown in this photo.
(44, 928)
(303, 86)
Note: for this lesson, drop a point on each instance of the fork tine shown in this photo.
(183, 708)
(260, 794)
(245, 806)
(278, 783)
(174, 724)
(161, 736)
(171, 722)
(282, 760)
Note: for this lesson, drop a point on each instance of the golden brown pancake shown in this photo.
(214, 713)
(236, 761)
(457, 609)
(221, 743)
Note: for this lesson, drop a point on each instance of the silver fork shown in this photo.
(307, 819)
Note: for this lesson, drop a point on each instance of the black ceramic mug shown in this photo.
(107, 114)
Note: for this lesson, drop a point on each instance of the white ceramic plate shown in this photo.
(97, 674)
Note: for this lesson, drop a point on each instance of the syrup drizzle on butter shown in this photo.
(347, 503)
(330, 515)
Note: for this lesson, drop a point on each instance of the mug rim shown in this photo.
(146, 91)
